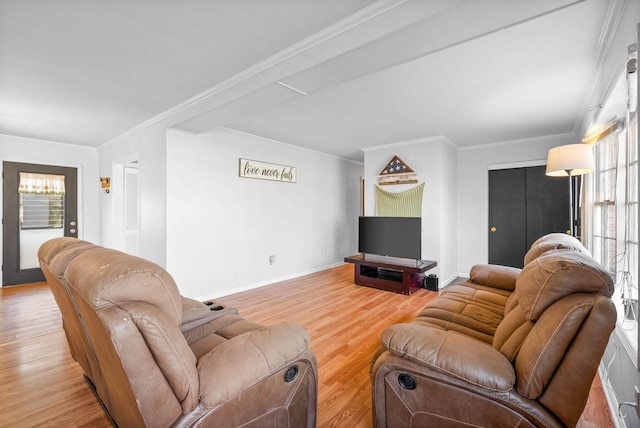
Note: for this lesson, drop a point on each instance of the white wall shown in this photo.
(449, 200)
(473, 190)
(148, 145)
(27, 150)
(434, 160)
(221, 228)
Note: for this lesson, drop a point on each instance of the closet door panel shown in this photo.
(547, 203)
(507, 217)
(524, 204)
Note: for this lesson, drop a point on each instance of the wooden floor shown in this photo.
(41, 385)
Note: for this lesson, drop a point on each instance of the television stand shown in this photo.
(388, 273)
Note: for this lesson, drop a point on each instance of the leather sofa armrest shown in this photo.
(496, 276)
(451, 353)
(196, 314)
(241, 362)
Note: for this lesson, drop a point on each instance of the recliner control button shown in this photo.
(407, 381)
(291, 374)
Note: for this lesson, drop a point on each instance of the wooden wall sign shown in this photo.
(267, 171)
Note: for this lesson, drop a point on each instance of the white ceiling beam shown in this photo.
(379, 38)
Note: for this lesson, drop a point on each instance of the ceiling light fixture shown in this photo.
(292, 88)
(598, 132)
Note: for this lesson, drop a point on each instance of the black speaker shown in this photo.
(431, 282)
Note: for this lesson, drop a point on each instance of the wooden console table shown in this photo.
(387, 273)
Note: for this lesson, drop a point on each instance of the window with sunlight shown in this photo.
(611, 200)
(612, 193)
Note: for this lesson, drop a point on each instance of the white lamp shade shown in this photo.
(574, 159)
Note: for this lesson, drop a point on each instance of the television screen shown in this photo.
(391, 236)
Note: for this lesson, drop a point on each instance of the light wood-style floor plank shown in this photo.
(41, 385)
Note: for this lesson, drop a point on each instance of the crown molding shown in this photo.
(436, 139)
(592, 100)
(36, 140)
(521, 164)
(571, 135)
(609, 28)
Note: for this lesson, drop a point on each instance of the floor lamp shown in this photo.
(569, 161)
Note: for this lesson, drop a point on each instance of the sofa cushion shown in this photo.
(65, 255)
(553, 241)
(502, 277)
(176, 360)
(253, 356)
(53, 247)
(551, 337)
(478, 364)
(107, 277)
(543, 282)
(466, 307)
(557, 274)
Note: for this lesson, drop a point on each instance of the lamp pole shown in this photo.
(571, 222)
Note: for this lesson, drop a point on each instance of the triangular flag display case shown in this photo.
(397, 172)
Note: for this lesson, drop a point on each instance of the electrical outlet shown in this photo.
(637, 401)
(272, 260)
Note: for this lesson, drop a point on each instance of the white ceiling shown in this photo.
(476, 72)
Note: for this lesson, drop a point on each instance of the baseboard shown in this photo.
(458, 278)
(450, 280)
(271, 281)
(453, 279)
(612, 401)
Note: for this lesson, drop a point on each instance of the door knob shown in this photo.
(493, 229)
(72, 231)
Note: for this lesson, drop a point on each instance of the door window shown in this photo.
(41, 213)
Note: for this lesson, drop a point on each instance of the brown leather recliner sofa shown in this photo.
(158, 359)
(506, 348)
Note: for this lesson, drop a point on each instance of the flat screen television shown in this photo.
(391, 236)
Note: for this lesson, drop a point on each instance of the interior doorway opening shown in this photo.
(125, 190)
